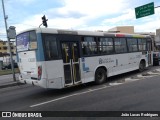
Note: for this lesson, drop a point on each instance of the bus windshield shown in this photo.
(26, 41)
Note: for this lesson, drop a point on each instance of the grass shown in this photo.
(8, 71)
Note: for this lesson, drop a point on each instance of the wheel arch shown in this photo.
(142, 65)
(103, 67)
(143, 60)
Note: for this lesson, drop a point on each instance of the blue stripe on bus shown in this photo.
(85, 68)
(40, 50)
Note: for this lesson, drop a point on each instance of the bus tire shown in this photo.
(100, 76)
(142, 66)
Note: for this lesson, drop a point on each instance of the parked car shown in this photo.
(9, 66)
(156, 58)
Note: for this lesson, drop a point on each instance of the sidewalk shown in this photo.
(7, 81)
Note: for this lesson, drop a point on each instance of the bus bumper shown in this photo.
(44, 83)
(40, 83)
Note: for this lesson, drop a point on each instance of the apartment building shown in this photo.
(4, 51)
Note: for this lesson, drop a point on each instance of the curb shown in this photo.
(11, 84)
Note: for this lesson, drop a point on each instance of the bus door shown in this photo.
(70, 56)
(149, 50)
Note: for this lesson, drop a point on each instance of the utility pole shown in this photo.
(9, 47)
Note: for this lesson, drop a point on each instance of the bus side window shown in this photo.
(48, 55)
(120, 45)
(132, 44)
(105, 45)
(51, 47)
(89, 46)
(142, 44)
(84, 49)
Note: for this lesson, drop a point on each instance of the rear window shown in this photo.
(26, 41)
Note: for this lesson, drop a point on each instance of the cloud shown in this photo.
(148, 26)
(94, 7)
(86, 15)
(127, 15)
(30, 22)
(24, 2)
(91, 9)
(76, 13)
(62, 13)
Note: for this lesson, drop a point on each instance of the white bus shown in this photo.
(55, 58)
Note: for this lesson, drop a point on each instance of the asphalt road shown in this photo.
(125, 92)
(133, 96)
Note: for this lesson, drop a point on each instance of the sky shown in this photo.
(77, 14)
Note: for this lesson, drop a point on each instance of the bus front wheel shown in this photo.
(142, 66)
(100, 76)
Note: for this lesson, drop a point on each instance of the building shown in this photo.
(157, 39)
(4, 51)
(122, 29)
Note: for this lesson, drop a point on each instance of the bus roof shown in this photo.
(86, 33)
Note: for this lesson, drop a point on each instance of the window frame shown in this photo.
(82, 49)
(120, 45)
(142, 44)
(107, 53)
(45, 49)
(132, 44)
(29, 49)
(30, 40)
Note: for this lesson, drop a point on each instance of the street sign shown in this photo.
(144, 10)
(11, 32)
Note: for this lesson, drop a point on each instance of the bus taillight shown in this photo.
(39, 72)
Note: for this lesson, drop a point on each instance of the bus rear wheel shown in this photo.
(100, 76)
(142, 66)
